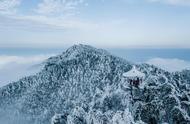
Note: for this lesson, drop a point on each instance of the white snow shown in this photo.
(134, 73)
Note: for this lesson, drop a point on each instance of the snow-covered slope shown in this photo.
(84, 85)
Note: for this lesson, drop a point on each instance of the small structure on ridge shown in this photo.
(134, 77)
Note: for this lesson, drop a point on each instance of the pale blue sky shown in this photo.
(101, 23)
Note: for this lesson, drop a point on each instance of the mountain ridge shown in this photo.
(84, 84)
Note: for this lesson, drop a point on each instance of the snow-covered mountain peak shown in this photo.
(76, 52)
(84, 85)
(84, 48)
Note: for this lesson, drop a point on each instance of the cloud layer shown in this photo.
(172, 2)
(13, 68)
(171, 65)
(57, 14)
(58, 7)
(97, 22)
(9, 6)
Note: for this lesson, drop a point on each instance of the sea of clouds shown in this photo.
(12, 68)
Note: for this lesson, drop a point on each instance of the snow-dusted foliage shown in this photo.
(59, 119)
(84, 85)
